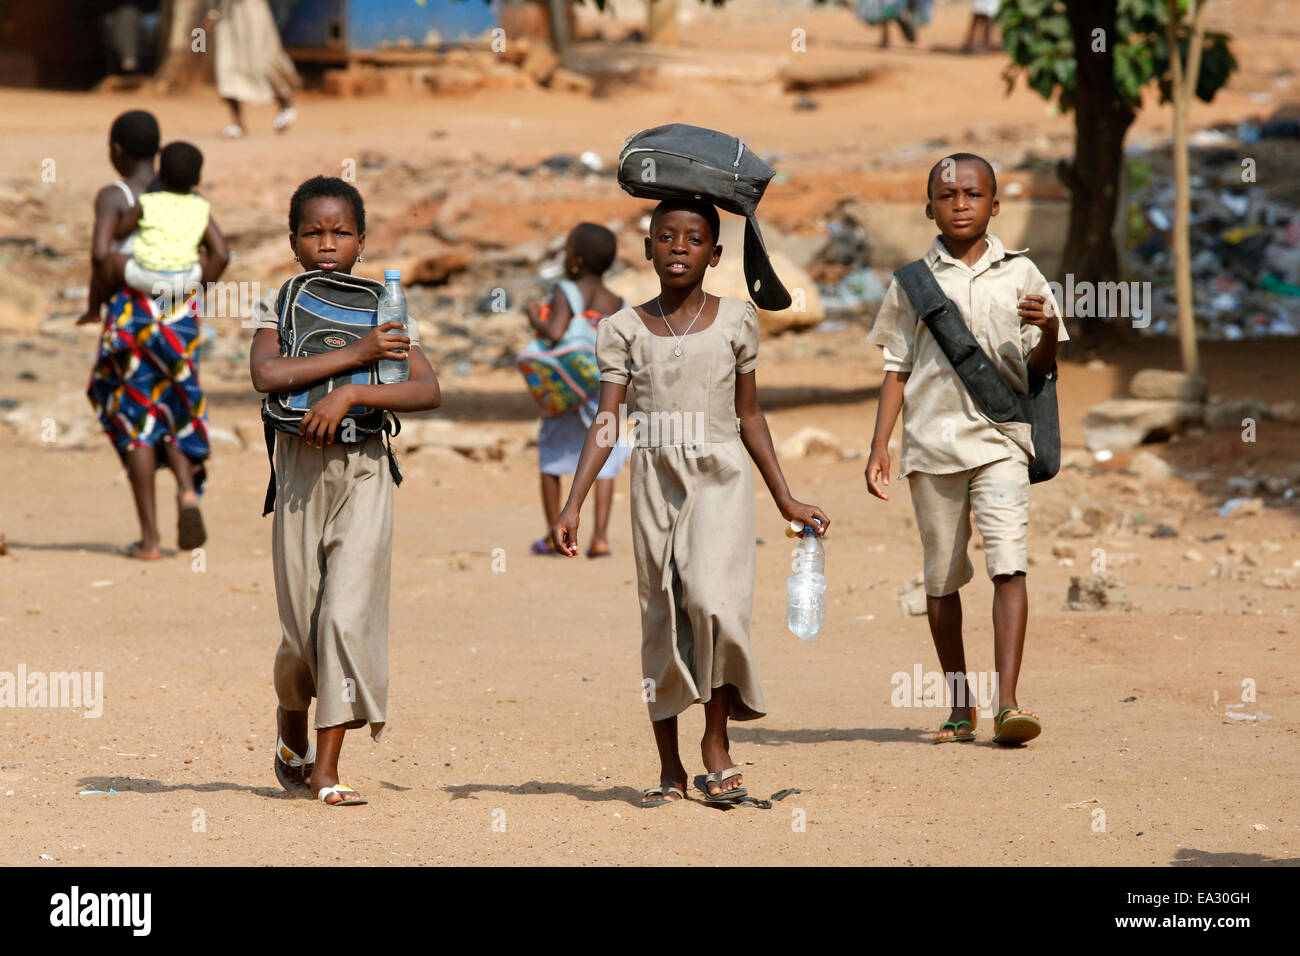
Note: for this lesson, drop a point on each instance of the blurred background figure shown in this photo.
(909, 14)
(981, 21)
(130, 37)
(251, 65)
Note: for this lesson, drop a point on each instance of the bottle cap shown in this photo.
(391, 274)
(794, 529)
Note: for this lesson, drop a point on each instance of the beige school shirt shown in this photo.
(943, 430)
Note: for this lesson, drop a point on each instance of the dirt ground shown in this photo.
(516, 732)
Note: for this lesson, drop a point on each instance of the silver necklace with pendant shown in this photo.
(677, 350)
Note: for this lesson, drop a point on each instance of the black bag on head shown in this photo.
(321, 312)
(687, 162)
(993, 395)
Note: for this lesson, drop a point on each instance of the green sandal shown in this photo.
(956, 737)
(1021, 728)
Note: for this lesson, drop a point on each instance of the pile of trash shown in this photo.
(1245, 240)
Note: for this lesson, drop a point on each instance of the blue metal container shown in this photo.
(359, 26)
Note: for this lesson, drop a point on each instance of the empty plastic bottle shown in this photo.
(806, 588)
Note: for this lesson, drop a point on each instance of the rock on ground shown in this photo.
(1096, 592)
(1167, 385)
(810, 441)
(1122, 423)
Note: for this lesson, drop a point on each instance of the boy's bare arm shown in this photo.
(758, 442)
(272, 372)
(1037, 310)
(891, 403)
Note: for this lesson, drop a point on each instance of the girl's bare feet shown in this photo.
(141, 552)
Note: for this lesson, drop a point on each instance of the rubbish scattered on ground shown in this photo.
(1240, 507)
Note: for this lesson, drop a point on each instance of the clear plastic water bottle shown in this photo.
(806, 588)
(392, 308)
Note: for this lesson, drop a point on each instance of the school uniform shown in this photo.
(958, 463)
(332, 551)
(692, 504)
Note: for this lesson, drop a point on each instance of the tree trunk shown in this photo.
(1101, 121)
(1183, 86)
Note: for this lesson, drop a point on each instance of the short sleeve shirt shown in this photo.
(943, 430)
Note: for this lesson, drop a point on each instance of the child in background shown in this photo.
(957, 462)
(981, 20)
(910, 14)
(144, 385)
(689, 358)
(332, 537)
(588, 253)
(132, 147)
(173, 226)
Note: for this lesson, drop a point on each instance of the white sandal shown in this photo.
(284, 119)
(233, 131)
(341, 792)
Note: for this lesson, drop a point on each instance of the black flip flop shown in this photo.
(190, 533)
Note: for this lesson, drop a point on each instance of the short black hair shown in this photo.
(955, 158)
(596, 244)
(136, 131)
(326, 187)
(700, 208)
(179, 167)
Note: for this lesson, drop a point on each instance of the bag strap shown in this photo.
(268, 505)
(942, 317)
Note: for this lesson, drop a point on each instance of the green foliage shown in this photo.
(1037, 38)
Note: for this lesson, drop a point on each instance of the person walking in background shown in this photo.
(251, 65)
(981, 21)
(909, 14)
(579, 303)
(145, 383)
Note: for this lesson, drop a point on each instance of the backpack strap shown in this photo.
(268, 505)
(995, 398)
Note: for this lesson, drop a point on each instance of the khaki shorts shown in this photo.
(998, 496)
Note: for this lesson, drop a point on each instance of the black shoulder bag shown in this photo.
(994, 397)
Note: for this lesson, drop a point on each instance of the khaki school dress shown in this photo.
(692, 505)
(332, 552)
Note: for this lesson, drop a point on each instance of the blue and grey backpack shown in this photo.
(321, 312)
